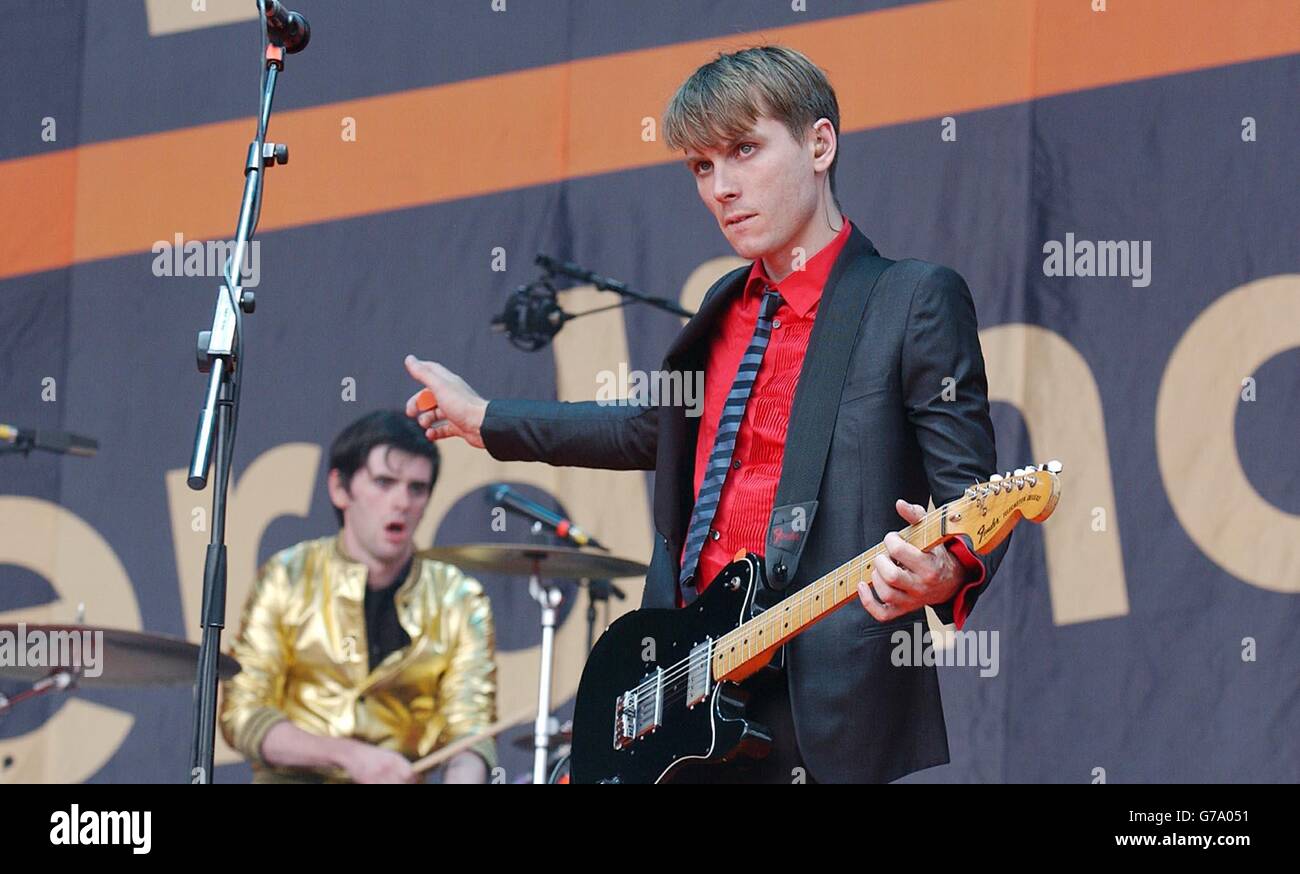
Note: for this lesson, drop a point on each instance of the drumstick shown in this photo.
(433, 760)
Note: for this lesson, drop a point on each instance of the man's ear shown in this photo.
(339, 495)
(825, 143)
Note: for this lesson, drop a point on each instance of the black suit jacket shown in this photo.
(857, 716)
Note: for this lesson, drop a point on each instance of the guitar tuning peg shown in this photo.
(1020, 471)
(996, 478)
(1053, 466)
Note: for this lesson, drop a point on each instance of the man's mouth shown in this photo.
(737, 221)
(395, 530)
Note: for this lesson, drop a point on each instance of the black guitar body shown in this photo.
(648, 709)
(640, 649)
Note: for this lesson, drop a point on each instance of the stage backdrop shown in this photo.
(1117, 182)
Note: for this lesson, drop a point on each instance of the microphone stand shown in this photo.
(604, 283)
(219, 354)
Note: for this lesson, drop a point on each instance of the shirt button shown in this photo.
(735, 465)
(714, 533)
(776, 323)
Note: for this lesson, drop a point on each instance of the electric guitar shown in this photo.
(661, 689)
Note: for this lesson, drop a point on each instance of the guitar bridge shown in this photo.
(639, 711)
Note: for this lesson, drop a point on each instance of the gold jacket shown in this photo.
(302, 652)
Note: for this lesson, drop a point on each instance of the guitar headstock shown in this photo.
(988, 511)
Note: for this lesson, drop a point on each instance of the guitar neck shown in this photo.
(985, 514)
(750, 645)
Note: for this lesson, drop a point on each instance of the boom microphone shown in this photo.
(564, 528)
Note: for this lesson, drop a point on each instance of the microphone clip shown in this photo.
(532, 316)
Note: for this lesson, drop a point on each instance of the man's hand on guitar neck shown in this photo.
(905, 578)
(459, 409)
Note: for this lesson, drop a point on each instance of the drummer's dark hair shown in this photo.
(349, 451)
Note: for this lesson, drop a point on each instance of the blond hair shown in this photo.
(725, 97)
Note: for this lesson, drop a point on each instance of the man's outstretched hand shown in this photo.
(458, 410)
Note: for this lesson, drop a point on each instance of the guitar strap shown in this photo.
(812, 418)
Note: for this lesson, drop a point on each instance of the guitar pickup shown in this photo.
(697, 674)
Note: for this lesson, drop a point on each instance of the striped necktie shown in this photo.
(724, 444)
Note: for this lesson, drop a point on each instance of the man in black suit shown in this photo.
(841, 388)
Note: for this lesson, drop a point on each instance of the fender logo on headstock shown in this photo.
(989, 527)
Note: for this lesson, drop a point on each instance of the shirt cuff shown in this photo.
(975, 573)
(486, 750)
(249, 740)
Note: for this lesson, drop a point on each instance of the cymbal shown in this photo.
(553, 562)
(124, 659)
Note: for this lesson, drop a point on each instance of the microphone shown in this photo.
(286, 29)
(27, 439)
(565, 529)
(532, 316)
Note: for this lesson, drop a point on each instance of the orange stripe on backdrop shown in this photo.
(537, 126)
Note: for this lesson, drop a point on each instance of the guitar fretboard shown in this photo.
(759, 636)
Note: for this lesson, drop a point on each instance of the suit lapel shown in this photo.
(816, 403)
(678, 432)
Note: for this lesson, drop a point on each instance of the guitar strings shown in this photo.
(803, 598)
(797, 601)
(814, 590)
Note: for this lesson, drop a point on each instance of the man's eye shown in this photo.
(743, 146)
(701, 167)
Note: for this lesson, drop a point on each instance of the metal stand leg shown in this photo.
(549, 598)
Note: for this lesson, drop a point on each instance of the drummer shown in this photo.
(357, 653)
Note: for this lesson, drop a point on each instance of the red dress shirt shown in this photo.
(749, 492)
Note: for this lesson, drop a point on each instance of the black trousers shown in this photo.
(769, 705)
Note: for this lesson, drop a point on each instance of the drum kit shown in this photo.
(103, 658)
(125, 659)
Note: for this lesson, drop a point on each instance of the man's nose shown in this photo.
(725, 185)
(401, 499)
